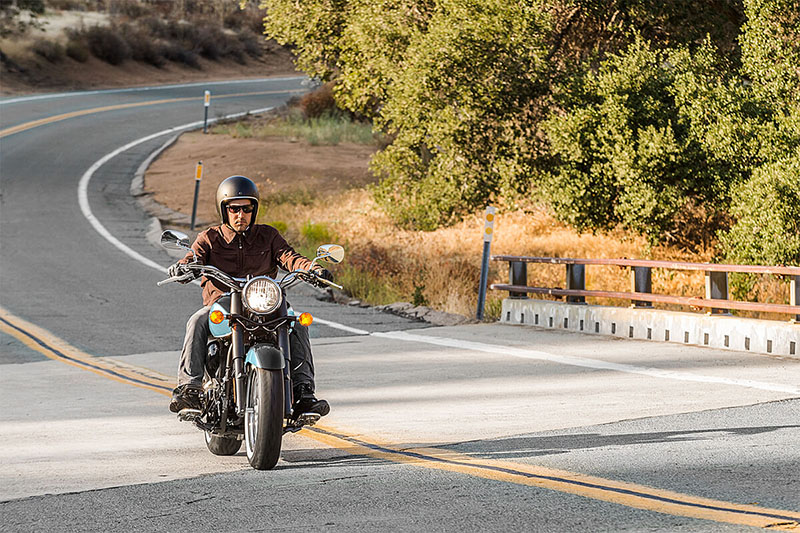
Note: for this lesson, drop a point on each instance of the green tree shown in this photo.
(652, 138)
(459, 111)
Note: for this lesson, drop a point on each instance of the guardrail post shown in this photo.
(518, 275)
(717, 289)
(576, 280)
(642, 281)
(795, 296)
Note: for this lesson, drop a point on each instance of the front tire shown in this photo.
(263, 417)
(222, 445)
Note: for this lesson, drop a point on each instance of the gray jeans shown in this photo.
(193, 355)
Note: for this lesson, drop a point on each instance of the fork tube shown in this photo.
(283, 344)
(238, 355)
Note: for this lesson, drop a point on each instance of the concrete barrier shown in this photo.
(714, 331)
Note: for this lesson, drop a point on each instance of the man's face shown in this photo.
(237, 218)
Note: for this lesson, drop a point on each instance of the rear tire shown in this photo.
(263, 417)
(222, 445)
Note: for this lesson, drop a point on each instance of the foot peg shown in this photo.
(308, 419)
(188, 415)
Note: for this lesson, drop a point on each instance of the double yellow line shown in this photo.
(57, 118)
(627, 494)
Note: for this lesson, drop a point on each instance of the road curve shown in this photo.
(482, 427)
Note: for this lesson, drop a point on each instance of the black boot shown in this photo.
(185, 397)
(306, 402)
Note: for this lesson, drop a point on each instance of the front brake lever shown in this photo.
(186, 277)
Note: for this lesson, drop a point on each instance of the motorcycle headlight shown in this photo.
(261, 295)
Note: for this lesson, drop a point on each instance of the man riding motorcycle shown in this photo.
(240, 248)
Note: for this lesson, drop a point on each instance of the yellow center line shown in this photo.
(597, 488)
(53, 347)
(57, 118)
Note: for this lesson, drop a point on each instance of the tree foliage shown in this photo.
(653, 114)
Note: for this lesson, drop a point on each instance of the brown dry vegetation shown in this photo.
(307, 185)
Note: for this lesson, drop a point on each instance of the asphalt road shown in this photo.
(476, 428)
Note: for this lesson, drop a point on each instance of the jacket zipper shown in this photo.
(241, 253)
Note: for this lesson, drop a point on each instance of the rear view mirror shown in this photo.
(175, 240)
(332, 253)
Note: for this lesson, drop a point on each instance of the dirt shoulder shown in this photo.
(40, 76)
(280, 167)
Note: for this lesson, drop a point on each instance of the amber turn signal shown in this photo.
(216, 317)
(305, 319)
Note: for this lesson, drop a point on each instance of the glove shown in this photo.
(321, 273)
(179, 269)
(176, 270)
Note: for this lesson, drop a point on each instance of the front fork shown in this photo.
(237, 345)
(283, 344)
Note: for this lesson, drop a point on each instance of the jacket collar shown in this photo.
(229, 235)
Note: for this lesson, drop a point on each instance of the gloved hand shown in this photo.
(178, 270)
(321, 273)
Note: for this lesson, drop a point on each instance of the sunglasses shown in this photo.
(242, 208)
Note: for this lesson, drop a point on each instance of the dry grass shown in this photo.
(442, 268)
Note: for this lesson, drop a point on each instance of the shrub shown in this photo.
(650, 135)
(105, 43)
(318, 102)
(251, 43)
(767, 211)
(316, 234)
(142, 46)
(78, 50)
(279, 225)
(50, 50)
(178, 54)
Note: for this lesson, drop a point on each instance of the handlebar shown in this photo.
(237, 283)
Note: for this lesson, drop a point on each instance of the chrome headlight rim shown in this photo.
(274, 288)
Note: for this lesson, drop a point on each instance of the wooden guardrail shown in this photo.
(716, 294)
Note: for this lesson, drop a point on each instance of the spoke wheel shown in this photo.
(263, 417)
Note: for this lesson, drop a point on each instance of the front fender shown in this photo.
(264, 356)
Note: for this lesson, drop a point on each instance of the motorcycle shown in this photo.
(247, 388)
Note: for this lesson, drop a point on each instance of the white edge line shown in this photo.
(410, 337)
(585, 362)
(83, 185)
(20, 99)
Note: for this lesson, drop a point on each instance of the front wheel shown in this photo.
(263, 417)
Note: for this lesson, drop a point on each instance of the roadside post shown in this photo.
(206, 104)
(198, 175)
(488, 233)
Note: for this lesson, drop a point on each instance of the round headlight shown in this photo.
(261, 295)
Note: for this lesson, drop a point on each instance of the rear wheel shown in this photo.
(263, 417)
(222, 445)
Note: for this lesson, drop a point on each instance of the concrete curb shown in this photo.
(713, 331)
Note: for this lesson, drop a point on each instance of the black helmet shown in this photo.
(236, 188)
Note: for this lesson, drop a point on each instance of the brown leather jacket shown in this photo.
(257, 252)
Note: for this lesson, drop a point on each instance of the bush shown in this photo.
(646, 138)
(767, 209)
(50, 50)
(178, 54)
(142, 46)
(318, 102)
(78, 50)
(106, 43)
(316, 234)
(251, 43)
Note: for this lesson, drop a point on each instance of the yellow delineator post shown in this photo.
(197, 177)
(488, 233)
(206, 104)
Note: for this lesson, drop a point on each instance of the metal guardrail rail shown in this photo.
(716, 296)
